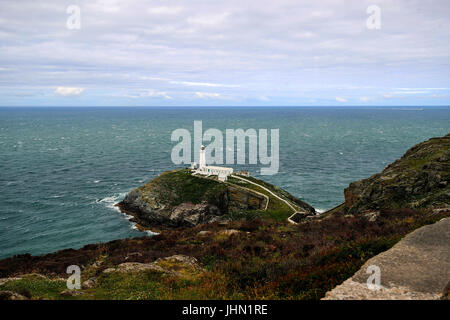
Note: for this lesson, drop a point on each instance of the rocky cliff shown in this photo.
(177, 198)
(419, 179)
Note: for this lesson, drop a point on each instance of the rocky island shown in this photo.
(246, 239)
(179, 198)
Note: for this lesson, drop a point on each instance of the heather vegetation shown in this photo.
(264, 259)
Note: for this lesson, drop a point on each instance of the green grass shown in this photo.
(277, 210)
(278, 191)
(417, 164)
(153, 285)
(119, 286)
(36, 287)
(182, 187)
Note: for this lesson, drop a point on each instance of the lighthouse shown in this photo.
(221, 172)
(202, 163)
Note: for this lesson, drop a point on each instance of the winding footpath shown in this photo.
(276, 196)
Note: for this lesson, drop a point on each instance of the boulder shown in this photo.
(71, 293)
(10, 295)
(416, 268)
(203, 233)
(88, 284)
(176, 265)
(229, 232)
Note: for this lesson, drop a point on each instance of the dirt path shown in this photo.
(276, 196)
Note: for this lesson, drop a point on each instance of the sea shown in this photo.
(62, 169)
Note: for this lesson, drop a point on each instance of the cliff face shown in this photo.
(419, 179)
(177, 198)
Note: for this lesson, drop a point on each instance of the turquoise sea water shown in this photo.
(62, 169)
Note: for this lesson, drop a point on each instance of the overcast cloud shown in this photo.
(233, 52)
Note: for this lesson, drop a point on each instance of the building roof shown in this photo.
(217, 168)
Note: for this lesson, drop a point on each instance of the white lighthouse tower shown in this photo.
(221, 172)
(202, 163)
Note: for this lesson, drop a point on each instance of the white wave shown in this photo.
(319, 210)
(133, 225)
(110, 202)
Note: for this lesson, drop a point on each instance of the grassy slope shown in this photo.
(180, 186)
(276, 209)
(280, 192)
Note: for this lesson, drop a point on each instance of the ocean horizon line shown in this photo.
(415, 107)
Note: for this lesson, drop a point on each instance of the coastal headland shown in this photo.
(234, 240)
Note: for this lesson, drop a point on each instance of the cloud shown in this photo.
(438, 96)
(153, 94)
(208, 95)
(209, 20)
(419, 89)
(163, 10)
(68, 91)
(340, 99)
(411, 92)
(149, 93)
(153, 78)
(204, 84)
(246, 51)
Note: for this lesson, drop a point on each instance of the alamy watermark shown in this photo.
(74, 20)
(374, 280)
(373, 22)
(74, 281)
(182, 152)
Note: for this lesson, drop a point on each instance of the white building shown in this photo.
(222, 173)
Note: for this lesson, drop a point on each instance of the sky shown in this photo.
(225, 53)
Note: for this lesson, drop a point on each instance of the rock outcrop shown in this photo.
(416, 268)
(10, 295)
(177, 198)
(419, 179)
(177, 265)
